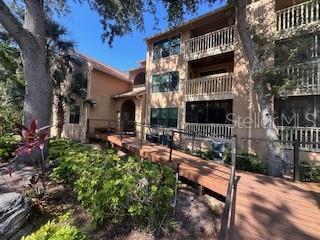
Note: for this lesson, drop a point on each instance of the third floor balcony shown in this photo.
(299, 15)
(209, 44)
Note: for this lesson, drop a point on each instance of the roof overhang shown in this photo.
(135, 92)
(190, 23)
(105, 68)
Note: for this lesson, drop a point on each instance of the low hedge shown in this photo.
(113, 189)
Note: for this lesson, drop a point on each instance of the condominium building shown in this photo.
(198, 76)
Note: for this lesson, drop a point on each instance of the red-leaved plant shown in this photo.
(33, 139)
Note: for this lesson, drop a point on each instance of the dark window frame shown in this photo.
(209, 112)
(292, 111)
(167, 47)
(309, 49)
(74, 114)
(165, 82)
(164, 117)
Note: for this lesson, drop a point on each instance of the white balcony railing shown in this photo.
(212, 43)
(298, 15)
(210, 129)
(217, 84)
(302, 134)
(304, 78)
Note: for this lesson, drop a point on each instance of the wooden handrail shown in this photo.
(225, 225)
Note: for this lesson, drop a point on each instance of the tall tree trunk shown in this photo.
(38, 97)
(275, 153)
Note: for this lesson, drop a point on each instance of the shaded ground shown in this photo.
(14, 177)
(195, 218)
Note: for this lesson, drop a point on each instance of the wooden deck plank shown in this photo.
(267, 206)
(207, 174)
(264, 208)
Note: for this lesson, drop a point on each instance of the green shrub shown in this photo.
(247, 162)
(9, 118)
(60, 230)
(112, 189)
(309, 172)
(205, 154)
(8, 145)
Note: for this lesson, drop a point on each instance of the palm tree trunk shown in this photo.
(60, 117)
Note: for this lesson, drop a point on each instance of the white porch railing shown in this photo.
(213, 84)
(212, 43)
(298, 15)
(210, 129)
(305, 79)
(302, 134)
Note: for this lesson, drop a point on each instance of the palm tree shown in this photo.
(69, 85)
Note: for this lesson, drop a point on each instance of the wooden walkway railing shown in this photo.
(256, 206)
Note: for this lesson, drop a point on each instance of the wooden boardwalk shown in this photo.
(264, 207)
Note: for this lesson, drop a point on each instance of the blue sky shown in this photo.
(85, 29)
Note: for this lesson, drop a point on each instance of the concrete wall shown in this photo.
(103, 87)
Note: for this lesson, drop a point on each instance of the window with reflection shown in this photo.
(301, 111)
(166, 47)
(165, 117)
(298, 50)
(165, 82)
(209, 112)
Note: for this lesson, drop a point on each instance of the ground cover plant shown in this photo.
(60, 230)
(247, 162)
(8, 145)
(114, 189)
(309, 172)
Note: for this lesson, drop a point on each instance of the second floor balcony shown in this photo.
(210, 44)
(217, 86)
(304, 78)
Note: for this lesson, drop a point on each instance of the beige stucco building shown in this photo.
(196, 77)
